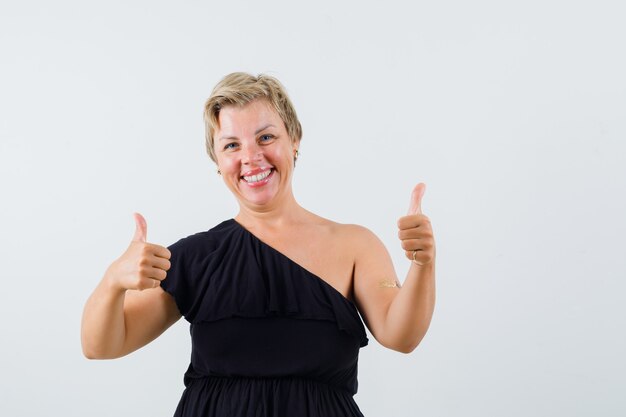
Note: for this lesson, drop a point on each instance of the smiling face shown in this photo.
(255, 154)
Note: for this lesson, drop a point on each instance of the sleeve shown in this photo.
(176, 282)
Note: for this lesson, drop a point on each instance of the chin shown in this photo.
(258, 199)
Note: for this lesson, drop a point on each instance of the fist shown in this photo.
(144, 265)
(416, 233)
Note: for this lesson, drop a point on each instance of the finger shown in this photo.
(426, 243)
(141, 228)
(413, 233)
(415, 220)
(416, 199)
(147, 283)
(156, 273)
(161, 263)
(421, 257)
(161, 251)
(412, 244)
(409, 253)
(157, 250)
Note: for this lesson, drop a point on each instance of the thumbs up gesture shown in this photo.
(416, 232)
(144, 265)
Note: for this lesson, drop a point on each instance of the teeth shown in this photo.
(258, 177)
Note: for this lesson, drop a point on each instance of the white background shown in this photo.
(512, 113)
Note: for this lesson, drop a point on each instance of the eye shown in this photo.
(266, 138)
(231, 145)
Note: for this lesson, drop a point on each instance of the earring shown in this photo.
(219, 172)
(295, 157)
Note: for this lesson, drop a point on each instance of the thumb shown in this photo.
(141, 228)
(416, 199)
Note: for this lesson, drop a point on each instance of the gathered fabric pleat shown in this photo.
(258, 397)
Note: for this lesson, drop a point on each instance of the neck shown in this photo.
(277, 215)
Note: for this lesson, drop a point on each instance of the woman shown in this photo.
(272, 295)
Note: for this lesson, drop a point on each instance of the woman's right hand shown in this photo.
(144, 265)
(116, 321)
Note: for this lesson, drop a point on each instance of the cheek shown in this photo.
(282, 153)
(226, 163)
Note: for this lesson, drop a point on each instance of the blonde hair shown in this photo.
(239, 89)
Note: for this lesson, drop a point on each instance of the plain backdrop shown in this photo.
(512, 113)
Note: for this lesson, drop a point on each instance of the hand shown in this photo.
(416, 232)
(143, 265)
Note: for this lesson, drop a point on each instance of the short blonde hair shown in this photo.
(239, 89)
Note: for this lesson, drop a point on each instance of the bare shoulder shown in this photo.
(355, 235)
(343, 231)
(374, 281)
(351, 240)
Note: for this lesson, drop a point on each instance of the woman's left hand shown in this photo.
(416, 232)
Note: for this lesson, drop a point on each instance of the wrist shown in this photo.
(110, 284)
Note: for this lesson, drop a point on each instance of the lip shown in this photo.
(258, 183)
(255, 171)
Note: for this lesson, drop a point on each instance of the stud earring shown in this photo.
(219, 172)
(295, 157)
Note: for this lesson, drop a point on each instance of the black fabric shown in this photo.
(269, 338)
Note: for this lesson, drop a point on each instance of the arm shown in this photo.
(128, 309)
(118, 322)
(397, 317)
(411, 311)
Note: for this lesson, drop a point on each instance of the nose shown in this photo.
(251, 153)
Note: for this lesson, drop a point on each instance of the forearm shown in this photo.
(103, 327)
(411, 311)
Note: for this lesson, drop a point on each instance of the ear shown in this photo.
(217, 167)
(295, 144)
(296, 150)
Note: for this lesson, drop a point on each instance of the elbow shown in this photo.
(89, 353)
(406, 349)
(93, 354)
(93, 351)
(404, 346)
(408, 345)
(90, 349)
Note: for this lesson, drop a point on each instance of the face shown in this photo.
(254, 154)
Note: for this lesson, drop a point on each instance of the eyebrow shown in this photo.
(256, 132)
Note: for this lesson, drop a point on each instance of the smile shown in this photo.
(257, 178)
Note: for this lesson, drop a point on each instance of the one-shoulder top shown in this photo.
(269, 338)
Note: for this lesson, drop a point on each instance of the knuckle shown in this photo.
(139, 286)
